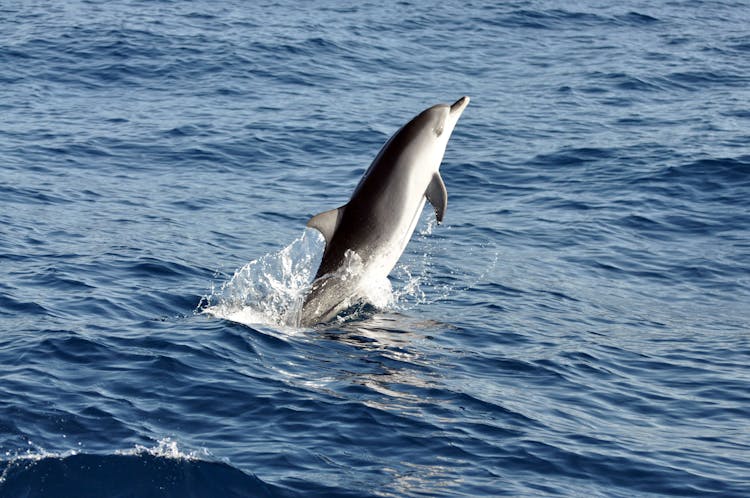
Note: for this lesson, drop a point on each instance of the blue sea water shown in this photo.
(579, 325)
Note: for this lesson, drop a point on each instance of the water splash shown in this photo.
(164, 448)
(271, 289)
(416, 273)
(30, 456)
(168, 448)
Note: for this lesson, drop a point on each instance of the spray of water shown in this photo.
(164, 448)
(271, 289)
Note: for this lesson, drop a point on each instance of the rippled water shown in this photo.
(578, 325)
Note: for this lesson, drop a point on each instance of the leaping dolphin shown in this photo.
(374, 227)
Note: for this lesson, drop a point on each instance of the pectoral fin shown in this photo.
(438, 196)
(327, 222)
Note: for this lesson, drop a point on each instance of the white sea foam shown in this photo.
(164, 448)
(31, 455)
(167, 448)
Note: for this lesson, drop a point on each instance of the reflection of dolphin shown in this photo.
(366, 236)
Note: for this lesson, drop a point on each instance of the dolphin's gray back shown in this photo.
(376, 202)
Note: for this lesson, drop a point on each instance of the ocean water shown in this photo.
(578, 325)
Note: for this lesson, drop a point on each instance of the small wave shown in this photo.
(167, 448)
(163, 470)
(636, 18)
(722, 180)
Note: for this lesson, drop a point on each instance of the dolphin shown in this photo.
(365, 237)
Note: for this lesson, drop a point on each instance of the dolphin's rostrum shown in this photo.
(373, 228)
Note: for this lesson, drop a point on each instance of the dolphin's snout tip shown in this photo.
(460, 104)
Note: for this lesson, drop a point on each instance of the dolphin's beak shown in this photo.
(459, 106)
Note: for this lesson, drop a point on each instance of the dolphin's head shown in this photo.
(442, 118)
(432, 128)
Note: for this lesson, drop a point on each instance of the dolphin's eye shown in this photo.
(439, 130)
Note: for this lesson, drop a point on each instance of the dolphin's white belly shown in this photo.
(384, 257)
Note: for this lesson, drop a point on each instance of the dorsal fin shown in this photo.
(327, 222)
(438, 196)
